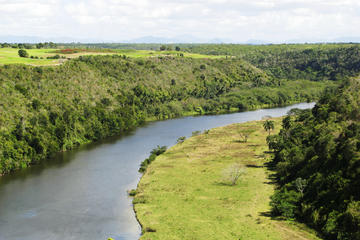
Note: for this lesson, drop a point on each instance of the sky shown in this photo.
(231, 20)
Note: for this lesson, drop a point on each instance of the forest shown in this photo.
(50, 109)
(56, 108)
(317, 163)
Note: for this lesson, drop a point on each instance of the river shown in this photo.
(81, 194)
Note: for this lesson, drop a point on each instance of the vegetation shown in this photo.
(41, 56)
(284, 61)
(153, 154)
(317, 162)
(189, 192)
(50, 109)
(244, 134)
(23, 53)
(34, 56)
(293, 61)
(268, 126)
(232, 174)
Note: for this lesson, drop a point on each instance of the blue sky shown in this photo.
(235, 20)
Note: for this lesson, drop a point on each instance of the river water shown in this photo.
(81, 194)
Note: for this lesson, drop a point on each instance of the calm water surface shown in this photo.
(81, 194)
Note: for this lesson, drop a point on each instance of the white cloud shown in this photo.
(239, 20)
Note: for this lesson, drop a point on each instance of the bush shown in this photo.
(57, 56)
(153, 154)
(23, 53)
(232, 174)
(196, 133)
(132, 192)
(181, 139)
(285, 203)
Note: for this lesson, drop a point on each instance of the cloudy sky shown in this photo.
(235, 20)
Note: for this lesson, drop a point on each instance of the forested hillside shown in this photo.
(49, 109)
(317, 159)
(294, 61)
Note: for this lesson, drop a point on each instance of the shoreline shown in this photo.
(153, 206)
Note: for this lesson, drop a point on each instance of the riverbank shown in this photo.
(184, 194)
(231, 110)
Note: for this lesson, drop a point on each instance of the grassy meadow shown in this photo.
(184, 193)
(10, 55)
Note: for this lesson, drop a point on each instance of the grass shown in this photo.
(182, 194)
(10, 55)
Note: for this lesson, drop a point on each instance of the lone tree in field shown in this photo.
(23, 53)
(244, 134)
(232, 174)
(269, 125)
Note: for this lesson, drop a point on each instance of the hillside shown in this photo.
(49, 109)
(293, 61)
(317, 160)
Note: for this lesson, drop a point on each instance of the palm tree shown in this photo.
(269, 125)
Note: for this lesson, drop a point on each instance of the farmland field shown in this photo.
(10, 55)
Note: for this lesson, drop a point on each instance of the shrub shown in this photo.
(181, 139)
(153, 154)
(196, 133)
(232, 174)
(132, 192)
(285, 203)
(23, 53)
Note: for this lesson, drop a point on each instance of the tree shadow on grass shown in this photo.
(253, 166)
(224, 184)
(269, 214)
(240, 141)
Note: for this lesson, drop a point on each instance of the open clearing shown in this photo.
(10, 55)
(182, 195)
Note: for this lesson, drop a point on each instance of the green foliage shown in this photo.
(293, 61)
(196, 133)
(49, 109)
(181, 139)
(153, 154)
(323, 147)
(269, 125)
(132, 192)
(23, 53)
(285, 203)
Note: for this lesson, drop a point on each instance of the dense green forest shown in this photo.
(284, 61)
(294, 61)
(317, 160)
(49, 109)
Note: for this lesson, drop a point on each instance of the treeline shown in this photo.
(293, 61)
(49, 109)
(130, 46)
(317, 162)
(282, 61)
(29, 45)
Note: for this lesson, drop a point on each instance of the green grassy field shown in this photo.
(182, 195)
(149, 53)
(10, 55)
